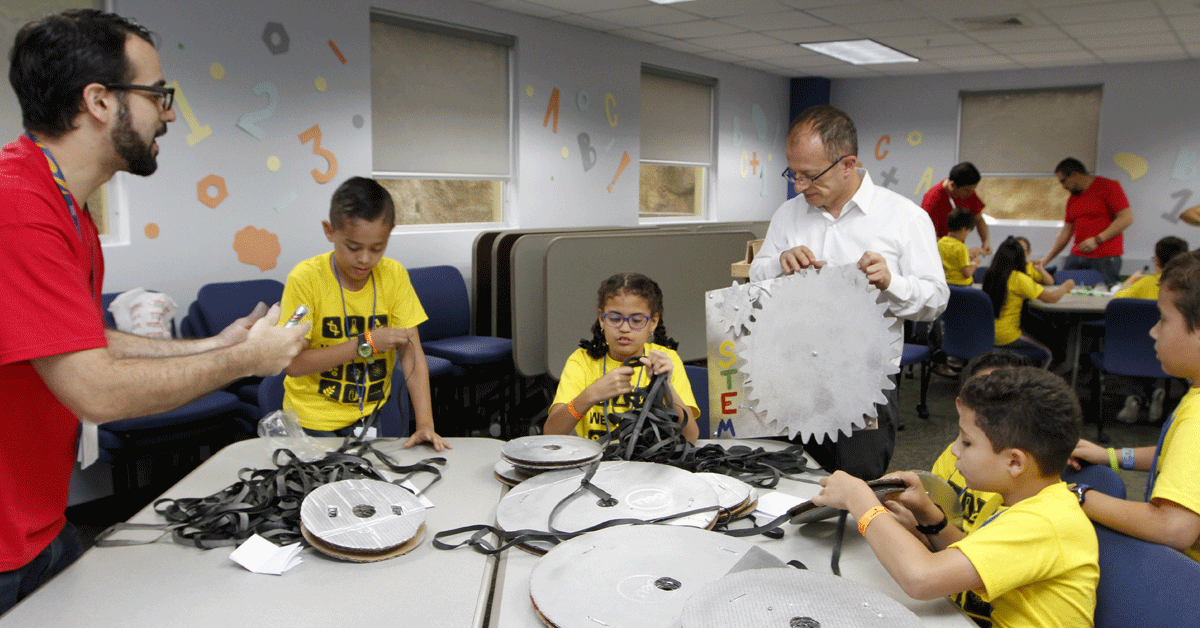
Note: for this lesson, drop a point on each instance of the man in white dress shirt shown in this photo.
(840, 217)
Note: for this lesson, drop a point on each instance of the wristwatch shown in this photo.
(1080, 491)
(364, 347)
(934, 528)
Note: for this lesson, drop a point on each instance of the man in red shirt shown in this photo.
(958, 190)
(1097, 214)
(93, 100)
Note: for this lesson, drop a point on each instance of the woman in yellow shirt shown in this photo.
(1008, 287)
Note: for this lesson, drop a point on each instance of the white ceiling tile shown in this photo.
(1099, 13)
(1052, 59)
(734, 42)
(1116, 27)
(588, 6)
(878, 11)
(815, 4)
(946, 52)
(1017, 34)
(726, 8)
(698, 28)
(900, 28)
(1185, 22)
(641, 35)
(1033, 47)
(1179, 7)
(903, 69)
(977, 63)
(810, 35)
(767, 53)
(850, 71)
(644, 16)
(1143, 40)
(920, 42)
(682, 46)
(588, 22)
(527, 8)
(1143, 54)
(1193, 50)
(721, 55)
(775, 21)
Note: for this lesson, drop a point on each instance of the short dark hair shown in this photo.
(1167, 248)
(1070, 166)
(53, 59)
(361, 198)
(1027, 408)
(994, 359)
(834, 127)
(960, 218)
(965, 174)
(1182, 276)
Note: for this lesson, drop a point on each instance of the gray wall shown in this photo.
(1147, 109)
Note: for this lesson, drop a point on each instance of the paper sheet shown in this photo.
(262, 556)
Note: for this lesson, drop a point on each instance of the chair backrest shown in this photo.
(979, 273)
(698, 378)
(1128, 347)
(219, 304)
(1144, 584)
(270, 394)
(443, 294)
(968, 326)
(1082, 277)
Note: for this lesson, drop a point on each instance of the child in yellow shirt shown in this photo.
(958, 262)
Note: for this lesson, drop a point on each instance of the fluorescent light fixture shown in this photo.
(860, 52)
(668, 1)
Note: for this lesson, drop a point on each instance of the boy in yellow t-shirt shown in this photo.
(365, 315)
(958, 262)
(1171, 513)
(1036, 561)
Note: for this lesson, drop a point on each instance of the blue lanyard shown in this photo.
(61, 182)
(360, 376)
(1162, 436)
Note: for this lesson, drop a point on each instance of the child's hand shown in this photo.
(914, 499)
(841, 489)
(611, 385)
(659, 362)
(1087, 451)
(1038, 264)
(389, 338)
(427, 435)
(1070, 284)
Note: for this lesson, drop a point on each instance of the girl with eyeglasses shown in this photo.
(595, 383)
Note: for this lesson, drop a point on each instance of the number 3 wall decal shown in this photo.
(314, 134)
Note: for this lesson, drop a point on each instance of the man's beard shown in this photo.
(138, 155)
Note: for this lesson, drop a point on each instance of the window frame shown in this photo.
(709, 188)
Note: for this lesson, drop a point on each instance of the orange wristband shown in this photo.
(868, 517)
(370, 342)
(571, 409)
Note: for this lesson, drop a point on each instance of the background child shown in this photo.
(957, 261)
(1036, 562)
(1142, 286)
(1171, 513)
(1034, 267)
(1008, 287)
(365, 316)
(594, 384)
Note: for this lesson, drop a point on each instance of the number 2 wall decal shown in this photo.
(249, 121)
(314, 133)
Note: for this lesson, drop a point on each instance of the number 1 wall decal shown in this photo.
(249, 120)
(197, 132)
(314, 133)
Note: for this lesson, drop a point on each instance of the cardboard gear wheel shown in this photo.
(821, 353)
(737, 306)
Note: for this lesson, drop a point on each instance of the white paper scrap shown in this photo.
(772, 504)
(262, 556)
(412, 488)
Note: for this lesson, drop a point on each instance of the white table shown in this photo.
(811, 544)
(1078, 308)
(166, 584)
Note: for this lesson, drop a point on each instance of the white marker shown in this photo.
(297, 316)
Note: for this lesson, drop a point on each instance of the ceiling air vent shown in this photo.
(991, 22)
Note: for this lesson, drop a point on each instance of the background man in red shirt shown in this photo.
(1097, 214)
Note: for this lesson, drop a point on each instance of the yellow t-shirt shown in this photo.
(1178, 465)
(329, 401)
(955, 257)
(977, 506)
(1008, 324)
(1144, 288)
(1033, 272)
(581, 370)
(1038, 562)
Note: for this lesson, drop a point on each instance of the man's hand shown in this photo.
(1089, 245)
(275, 346)
(986, 247)
(237, 331)
(797, 258)
(876, 269)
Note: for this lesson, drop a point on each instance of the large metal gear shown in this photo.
(819, 353)
(737, 306)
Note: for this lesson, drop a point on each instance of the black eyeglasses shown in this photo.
(166, 98)
(614, 320)
(804, 181)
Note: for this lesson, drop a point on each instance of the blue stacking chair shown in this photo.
(1144, 584)
(915, 354)
(219, 304)
(1083, 277)
(212, 421)
(1128, 349)
(698, 378)
(447, 335)
(979, 273)
(968, 326)
(1098, 476)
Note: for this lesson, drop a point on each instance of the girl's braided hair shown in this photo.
(633, 284)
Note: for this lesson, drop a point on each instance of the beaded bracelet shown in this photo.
(868, 517)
